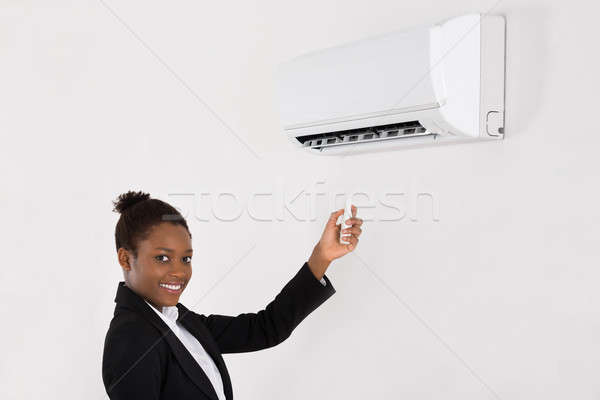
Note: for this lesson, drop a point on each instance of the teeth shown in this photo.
(172, 287)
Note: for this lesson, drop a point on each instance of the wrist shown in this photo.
(317, 263)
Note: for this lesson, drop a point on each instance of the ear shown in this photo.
(125, 258)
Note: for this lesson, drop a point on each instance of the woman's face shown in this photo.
(164, 258)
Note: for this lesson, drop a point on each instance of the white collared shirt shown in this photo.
(195, 348)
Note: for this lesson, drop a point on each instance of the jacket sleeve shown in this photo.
(272, 325)
(133, 362)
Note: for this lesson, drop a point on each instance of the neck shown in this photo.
(155, 306)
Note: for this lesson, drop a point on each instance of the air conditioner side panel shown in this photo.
(460, 61)
(493, 66)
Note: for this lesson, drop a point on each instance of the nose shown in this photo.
(177, 272)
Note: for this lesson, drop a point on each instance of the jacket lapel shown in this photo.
(201, 333)
(129, 299)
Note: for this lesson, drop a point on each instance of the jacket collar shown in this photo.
(129, 299)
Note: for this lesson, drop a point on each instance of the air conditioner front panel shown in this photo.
(388, 73)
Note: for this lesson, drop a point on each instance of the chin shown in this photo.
(172, 302)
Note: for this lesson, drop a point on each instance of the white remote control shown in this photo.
(347, 215)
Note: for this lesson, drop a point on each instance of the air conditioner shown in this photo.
(429, 85)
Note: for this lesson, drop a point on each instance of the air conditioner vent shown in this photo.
(369, 134)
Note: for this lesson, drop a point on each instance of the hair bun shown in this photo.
(126, 200)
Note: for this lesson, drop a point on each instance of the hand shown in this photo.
(329, 247)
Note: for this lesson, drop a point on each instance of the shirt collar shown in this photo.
(170, 312)
(125, 297)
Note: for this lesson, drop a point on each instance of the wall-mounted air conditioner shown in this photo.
(438, 84)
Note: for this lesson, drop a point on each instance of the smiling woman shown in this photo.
(155, 347)
(156, 256)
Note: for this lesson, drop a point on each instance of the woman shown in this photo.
(156, 348)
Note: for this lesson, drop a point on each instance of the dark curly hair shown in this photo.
(139, 213)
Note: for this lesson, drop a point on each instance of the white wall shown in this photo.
(496, 299)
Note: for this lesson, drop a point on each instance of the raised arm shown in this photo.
(275, 323)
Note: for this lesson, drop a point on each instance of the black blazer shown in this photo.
(143, 359)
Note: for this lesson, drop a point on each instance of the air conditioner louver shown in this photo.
(363, 135)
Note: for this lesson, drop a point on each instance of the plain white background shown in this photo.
(485, 289)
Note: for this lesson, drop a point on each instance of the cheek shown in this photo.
(151, 273)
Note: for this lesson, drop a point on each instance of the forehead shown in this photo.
(168, 235)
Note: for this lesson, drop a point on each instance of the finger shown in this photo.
(354, 221)
(352, 235)
(353, 242)
(355, 230)
(354, 210)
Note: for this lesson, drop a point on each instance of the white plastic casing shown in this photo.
(448, 77)
(347, 215)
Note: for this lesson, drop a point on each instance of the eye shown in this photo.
(158, 258)
(189, 259)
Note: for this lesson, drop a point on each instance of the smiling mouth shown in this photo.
(172, 288)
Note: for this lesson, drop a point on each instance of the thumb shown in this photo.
(331, 223)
